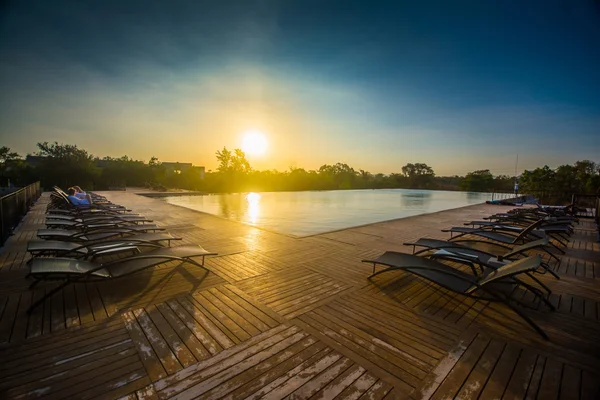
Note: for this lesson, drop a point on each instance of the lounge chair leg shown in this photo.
(547, 269)
(47, 295)
(546, 288)
(527, 319)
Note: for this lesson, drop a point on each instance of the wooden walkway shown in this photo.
(283, 317)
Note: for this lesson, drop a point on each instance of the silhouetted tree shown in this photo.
(7, 157)
(420, 176)
(478, 181)
(65, 165)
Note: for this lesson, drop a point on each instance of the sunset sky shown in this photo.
(372, 84)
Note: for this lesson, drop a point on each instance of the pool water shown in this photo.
(309, 213)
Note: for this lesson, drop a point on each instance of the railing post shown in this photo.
(2, 219)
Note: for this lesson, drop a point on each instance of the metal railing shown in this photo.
(14, 206)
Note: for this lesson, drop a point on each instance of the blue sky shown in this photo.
(373, 84)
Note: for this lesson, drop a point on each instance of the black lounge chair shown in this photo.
(441, 249)
(61, 248)
(59, 199)
(95, 223)
(559, 231)
(502, 239)
(96, 216)
(96, 233)
(495, 285)
(74, 271)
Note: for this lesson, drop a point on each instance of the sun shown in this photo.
(254, 143)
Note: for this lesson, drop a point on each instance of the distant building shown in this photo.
(34, 161)
(178, 168)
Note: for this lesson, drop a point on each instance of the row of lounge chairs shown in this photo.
(78, 240)
(517, 240)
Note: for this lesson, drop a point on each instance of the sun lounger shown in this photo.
(495, 285)
(95, 234)
(95, 223)
(96, 216)
(503, 235)
(501, 239)
(61, 248)
(71, 270)
(560, 233)
(455, 247)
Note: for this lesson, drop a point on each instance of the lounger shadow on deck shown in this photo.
(75, 271)
(496, 285)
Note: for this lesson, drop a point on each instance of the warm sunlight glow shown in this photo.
(253, 207)
(254, 143)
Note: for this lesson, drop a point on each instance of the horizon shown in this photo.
(459, 88)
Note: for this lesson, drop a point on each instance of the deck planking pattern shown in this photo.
(280, 316)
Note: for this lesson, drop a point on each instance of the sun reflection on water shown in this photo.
(253, 207)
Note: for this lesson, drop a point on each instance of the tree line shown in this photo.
(65, 165)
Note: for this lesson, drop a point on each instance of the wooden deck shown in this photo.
(284, 317)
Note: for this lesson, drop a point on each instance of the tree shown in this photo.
(478, 181)
(6, 157)
(420, 176)
(65, 165)
(232, 169)
(232, 162)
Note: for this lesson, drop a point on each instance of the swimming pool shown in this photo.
(309, 213)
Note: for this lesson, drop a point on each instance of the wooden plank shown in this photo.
(187, 336)
(275, 376)
(382, 368)
(251, 374)
(590, 309)
(231, 314)
(57, 312)
(8, 317)
(160, 346)
(92, 382)
(177, 346)
(478, 377)
(244, 309)
(219, 373)
(19, 330)
(147, 393)
(570, 387)
(549, 387)
(454, 381)
(382, 390)
(197, 322)
(519, 382)
(411, 360)
(340, 383)
(413, 340)
(359, 387)
(78, 336)
(71, 309)
(120, 383)
(14, 367)
(432, 382)
(83, 303)
(302, 377)
(590, 385)
(149, 358)
(272, 319)
(536, 378)
(97, 307)
(36, 318)
(30, 379)
(315, 384)
(232, 354)
(226, 326)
